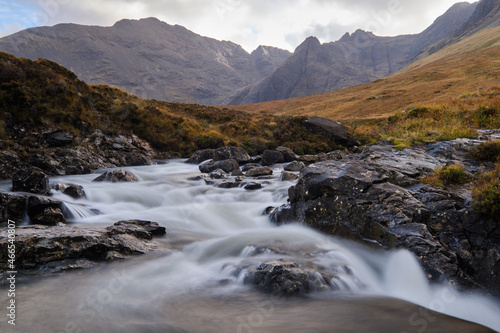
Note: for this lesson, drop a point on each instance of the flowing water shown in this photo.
(190, 285)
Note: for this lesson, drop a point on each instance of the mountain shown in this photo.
(149, 58)
(362, 57)
(463, 70)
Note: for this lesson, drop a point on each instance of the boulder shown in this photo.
(288, 154)
(250, 166)
(260, 171)
(294, 166)
(290, 278)
(252, 186)
(375, 198)
(288, 176)
(232, 153)
(45, 210)
(116, 176)
(31, 181)
(227, 166)
(72, 190)
(331, 129)
(270, 157)
(201, 156)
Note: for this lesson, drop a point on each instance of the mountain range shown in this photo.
(153, 59)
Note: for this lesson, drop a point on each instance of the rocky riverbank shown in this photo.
(62, 153)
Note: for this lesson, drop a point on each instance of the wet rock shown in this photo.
(332, 129)
(374, 197)
(31, 181)
(288, 154)
(252, 186)
(45, 210)
(294, 166)
(116, 176)
(41, 245)
(287, 278)
(12, 207)
(72, 190)
(218, 174)
(227, 166)
(75, 191)
(250, 166)
(288, 176)
(260, 171)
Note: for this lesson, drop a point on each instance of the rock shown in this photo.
(201, 156)
(72, 190)
(12, 207)
(250, 166)
(220, 154)
(75, 191)
(270, 157)
(294, 166)
(10, 163)
(46, 163)
(288, 176)
(288, 154)
(218, 174)
(45, 210)
(332, 129)
(288, 278)
(59, 139)
(260, 171)
(374, 197)
(41, 245)
(232, 153)
(116, 176)
(227, 166)
(252, 186)
(30, 181)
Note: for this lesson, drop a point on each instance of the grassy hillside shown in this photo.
(39, 96)
(464, 77)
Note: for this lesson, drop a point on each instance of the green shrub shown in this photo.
(448, 175)
(486, 193)
(488, 151)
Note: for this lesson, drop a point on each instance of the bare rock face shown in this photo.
(40, 245)
(116, 176)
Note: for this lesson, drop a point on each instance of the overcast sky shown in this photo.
(281, 23)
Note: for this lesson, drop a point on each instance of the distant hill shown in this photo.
(465, 68)
(149, 58)
(359, 58)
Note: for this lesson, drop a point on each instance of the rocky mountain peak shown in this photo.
(309, 43)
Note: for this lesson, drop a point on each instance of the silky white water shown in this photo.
(190, 285)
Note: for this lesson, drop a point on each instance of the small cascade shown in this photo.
(74, 211)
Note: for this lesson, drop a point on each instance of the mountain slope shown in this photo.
(354, 59)
(148, 58)
(468, 66)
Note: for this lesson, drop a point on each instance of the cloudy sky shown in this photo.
(281, 23)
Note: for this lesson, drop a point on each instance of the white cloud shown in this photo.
(281, 23)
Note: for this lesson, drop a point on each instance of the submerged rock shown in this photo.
(40, 245)
(116, 176)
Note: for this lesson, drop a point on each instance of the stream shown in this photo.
(190, 283)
